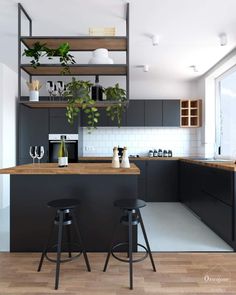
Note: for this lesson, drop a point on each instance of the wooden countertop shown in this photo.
(130, 158)
(229, 165)
(73, 168)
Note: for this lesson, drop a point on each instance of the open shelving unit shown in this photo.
(190, 113)
(77, 43)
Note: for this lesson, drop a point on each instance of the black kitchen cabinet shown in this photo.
(58, 123)
(141, 178)
(153, 113)
(114, 123)
(162, 181)
(135, 113)
(33, 130)
(191, 179)
(209, 193)
(218, 183)
(104, 120)
(141, 113)
(171, 113)
(218, 216)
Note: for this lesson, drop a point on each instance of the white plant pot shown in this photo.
(34, 95)
(100, 56)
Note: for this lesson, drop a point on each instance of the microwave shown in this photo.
(71, 141)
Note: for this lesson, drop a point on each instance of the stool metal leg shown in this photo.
(68, 231)
(110, 248)
(80, 241)
(130, 252)
(146, 240)
(60, 230)
(46, 247)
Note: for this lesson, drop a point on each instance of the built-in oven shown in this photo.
(71, 144)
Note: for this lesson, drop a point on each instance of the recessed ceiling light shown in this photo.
(144, 67)
(223, 39)
(155, 40)
(194, 68)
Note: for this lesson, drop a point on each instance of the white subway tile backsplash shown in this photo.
(182, 141)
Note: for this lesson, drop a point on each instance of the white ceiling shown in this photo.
(188, 30)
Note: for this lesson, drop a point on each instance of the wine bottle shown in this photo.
(97, 91)
(63, 153)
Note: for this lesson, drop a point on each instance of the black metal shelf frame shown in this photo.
(21, 38)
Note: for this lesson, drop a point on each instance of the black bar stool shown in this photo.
(64, 217)
(131, 217)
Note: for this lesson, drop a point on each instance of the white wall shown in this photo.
(8, 107)
(139, 140)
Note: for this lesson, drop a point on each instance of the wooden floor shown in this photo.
(177, 273)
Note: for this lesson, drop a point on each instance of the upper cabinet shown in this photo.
(135, 113)
(171, 113)
(153, 113)
(58, 123)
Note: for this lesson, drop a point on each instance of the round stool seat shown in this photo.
(130, 204)
(64, 203)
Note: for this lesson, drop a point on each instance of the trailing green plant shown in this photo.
(41, 50)
(78, 95)
(118, 96)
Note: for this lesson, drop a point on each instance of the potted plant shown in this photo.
(78, 95)
(40, 50)
(118, 96)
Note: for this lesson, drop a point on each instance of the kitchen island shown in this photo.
(96, 185)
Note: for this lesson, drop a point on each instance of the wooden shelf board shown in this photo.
(80, 43)
(61, 104)
(82, 70)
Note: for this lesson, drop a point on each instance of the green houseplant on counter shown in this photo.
(41, 50)
(118, 97)
(78, 95)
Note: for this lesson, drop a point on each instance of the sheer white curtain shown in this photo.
(226, 127)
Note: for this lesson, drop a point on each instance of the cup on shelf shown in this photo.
(34, 95)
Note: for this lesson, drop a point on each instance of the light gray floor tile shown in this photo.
(172, 227)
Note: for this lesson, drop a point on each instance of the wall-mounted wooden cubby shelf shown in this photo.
(190, 113)
(81, 69)
(78, 43)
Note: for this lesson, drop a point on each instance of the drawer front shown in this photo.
(218, 216)
(219, 184)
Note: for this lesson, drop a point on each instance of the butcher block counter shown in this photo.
(96, 185)
(73, 168)
(225, 165)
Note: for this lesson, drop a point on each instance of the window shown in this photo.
(226, 114)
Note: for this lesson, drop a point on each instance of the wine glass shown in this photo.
(55, 91)
(60, 88)
(39, 153)
(33, 152)
(50, 88)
